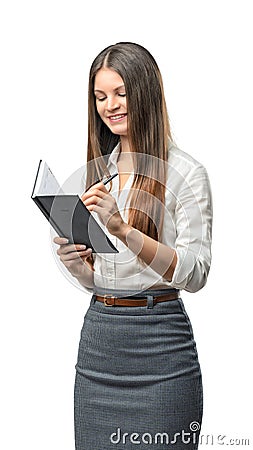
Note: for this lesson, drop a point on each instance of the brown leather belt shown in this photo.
(110, 300)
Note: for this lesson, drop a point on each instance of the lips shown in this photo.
(117, 117)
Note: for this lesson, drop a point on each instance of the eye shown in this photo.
(100, 99)
(122, 95)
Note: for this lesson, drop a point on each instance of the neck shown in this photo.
(124, 144)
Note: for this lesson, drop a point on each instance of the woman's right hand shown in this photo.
(73, 256)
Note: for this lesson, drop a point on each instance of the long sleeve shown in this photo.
(193, 223)
(186, 228)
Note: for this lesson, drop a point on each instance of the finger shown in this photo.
(99, 186)
(95, 208)
(98, 190)
(60, 240)
(102, 187)
(76, 255)
(95, 196)
(94, 200)
(65, 249)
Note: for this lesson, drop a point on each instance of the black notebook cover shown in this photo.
(71, 219)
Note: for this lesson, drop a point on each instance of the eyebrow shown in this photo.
(119, 87)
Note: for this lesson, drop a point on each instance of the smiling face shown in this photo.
(110, 94)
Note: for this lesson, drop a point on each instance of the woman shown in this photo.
(138, 379)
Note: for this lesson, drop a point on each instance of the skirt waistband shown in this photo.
(133, 293)
(150, 294)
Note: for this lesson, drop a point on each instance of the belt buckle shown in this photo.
(105, 300)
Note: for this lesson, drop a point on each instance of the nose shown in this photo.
(112, 103)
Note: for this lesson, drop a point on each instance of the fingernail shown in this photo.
(82, 247)
(65, 240)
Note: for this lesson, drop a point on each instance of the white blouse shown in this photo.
(187, 229)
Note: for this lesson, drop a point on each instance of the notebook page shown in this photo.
(46, 183)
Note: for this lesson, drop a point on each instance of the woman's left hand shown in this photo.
(99, 200)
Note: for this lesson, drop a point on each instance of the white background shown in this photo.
(204, 50)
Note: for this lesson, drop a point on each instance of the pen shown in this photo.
(104, 182)
(110, 178)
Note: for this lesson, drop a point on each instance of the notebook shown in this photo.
(67, 214)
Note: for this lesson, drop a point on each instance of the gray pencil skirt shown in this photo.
(138, 379)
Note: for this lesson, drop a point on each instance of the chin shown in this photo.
(120, 132)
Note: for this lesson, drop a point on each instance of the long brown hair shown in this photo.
(148, 132)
